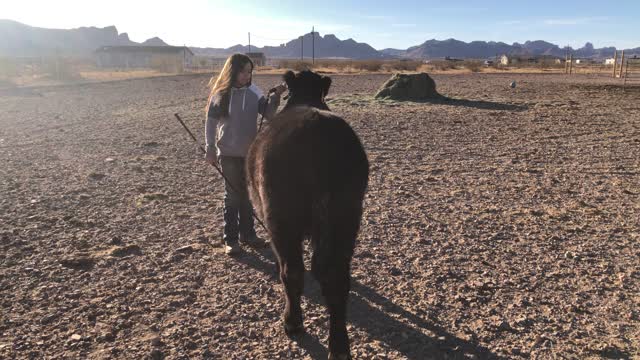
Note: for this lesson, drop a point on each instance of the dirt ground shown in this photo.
(503, 223)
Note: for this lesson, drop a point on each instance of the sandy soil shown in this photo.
(503, 224)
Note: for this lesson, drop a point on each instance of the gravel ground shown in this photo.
(503, 223)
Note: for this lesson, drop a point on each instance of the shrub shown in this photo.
(473, 65)
(443, 65)
(60, 69)
(296, 65)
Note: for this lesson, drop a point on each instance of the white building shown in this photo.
(506, 60)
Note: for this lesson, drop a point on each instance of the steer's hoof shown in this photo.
(333, 356)
(293, 329)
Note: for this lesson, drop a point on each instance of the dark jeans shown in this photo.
(238, 213)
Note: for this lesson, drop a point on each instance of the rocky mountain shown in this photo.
(633, 52)
(23, 40)
(392, 52)
(154, 41)
(328, 46)
(481, 49)
(457, 49)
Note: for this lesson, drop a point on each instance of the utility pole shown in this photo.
(571, 64)
(302, 48)
(313, 45)
(621, 63)
(249, 42)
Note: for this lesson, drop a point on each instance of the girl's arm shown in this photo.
(211, 125)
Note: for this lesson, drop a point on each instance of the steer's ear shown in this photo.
(289, 78)
(326, 84)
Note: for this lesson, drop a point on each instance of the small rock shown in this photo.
(33, 271)
(156, 354)
(76, 337)
(187, 249)
(47, 319)
(79, 262)
(109, 160)
(96, 176)
(107, 336)
(177, 257)
(156, 341)
(126, 250)
(151, 197)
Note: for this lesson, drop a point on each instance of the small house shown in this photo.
(508, 60)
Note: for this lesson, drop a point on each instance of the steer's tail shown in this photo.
(336, 220)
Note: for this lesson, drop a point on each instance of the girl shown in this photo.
(232, 113)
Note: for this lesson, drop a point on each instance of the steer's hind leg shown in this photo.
(288, 247)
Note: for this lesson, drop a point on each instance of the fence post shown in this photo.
(626, 75)
(571, 64)
(621, 63)
(615, 62)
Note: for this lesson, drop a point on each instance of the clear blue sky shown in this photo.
(397, 24)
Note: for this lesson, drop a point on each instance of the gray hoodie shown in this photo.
(232, 135)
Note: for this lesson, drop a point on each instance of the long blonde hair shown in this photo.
(224, 81)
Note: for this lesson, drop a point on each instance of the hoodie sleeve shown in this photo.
(211, 125)
(268, 109)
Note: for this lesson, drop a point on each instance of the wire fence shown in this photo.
(631, 74)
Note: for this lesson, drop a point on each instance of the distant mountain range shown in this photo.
(18, 39)
(328, 46)
(22, 40)
(482, 49)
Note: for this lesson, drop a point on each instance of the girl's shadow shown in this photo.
(409, 337)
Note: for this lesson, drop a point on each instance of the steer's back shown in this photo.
(303, 154)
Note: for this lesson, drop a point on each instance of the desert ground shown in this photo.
(502, 223)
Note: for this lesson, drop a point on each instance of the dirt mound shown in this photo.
(409, 87)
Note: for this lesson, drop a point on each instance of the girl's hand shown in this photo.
(210, 157)
(280, 89)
